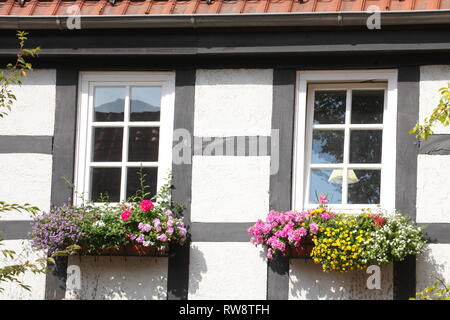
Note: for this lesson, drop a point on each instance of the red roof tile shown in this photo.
(144, 7)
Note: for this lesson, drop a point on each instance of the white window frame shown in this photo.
(85, 125)
(307, 82)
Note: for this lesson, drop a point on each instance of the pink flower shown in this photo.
(125, 216)
(314, 227)
(323, 199)
(302, 232)
(170, 223)
(325, 215)
(169, 213)
(144, 227)
(162, 237)
(269, 254)
(147, 205)
(182, 231)
(170, 230)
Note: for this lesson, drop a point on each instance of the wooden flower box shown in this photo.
(130, 249)
(303, 251)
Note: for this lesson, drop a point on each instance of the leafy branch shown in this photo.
(438, 291)
(4, 207)
(13, 76)
(15, 73)
(440, 114)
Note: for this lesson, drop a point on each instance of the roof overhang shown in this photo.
(314, 19)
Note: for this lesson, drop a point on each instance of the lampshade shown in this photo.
(336, 177)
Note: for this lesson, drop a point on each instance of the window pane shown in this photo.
(367, 106)
(327, 146)
(366, 186)
(329, 107)
(109, 103)
(365, 146)
(105, 184)
(145, 103)
(150, 179)
(327, 182)
(108, 144)
(143, 144)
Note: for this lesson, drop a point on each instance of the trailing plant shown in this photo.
(394, 237)
(94, 227)
(282, 229)
(342, 242)
(440, 114)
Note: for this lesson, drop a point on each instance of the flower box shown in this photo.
(302, 251)
(130, 249)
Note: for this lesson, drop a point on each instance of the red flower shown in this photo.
(125, 216)
(147, 205)
(378, 220)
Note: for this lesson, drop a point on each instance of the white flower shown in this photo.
(99, 223)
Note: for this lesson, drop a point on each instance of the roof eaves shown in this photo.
(323, 19)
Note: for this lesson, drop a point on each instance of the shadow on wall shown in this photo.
(307, 281)
(197, 267)
(121, 278)
(429, 267)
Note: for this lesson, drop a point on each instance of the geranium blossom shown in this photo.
(147, 205)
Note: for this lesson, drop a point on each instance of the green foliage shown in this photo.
(395, 239)
(101, 226)
(440, 114)
(438, 291)
(14, 74)
(5, 207)
(11, 273)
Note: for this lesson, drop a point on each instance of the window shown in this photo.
(125, 123)
(345, 139)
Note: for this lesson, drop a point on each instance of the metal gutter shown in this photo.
(313, 19)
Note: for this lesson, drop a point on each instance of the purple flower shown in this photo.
(170, 231)
(140, 239)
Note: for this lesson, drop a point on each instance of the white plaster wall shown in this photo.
(432, 78)
(118, 278)
(435, 261)
(25, 178)
(227, 270)
(433, 188)
(230, 189)
(13, 291)
(233, 102)
(307, 281)
(34, 111)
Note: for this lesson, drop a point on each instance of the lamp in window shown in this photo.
(336, 177)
